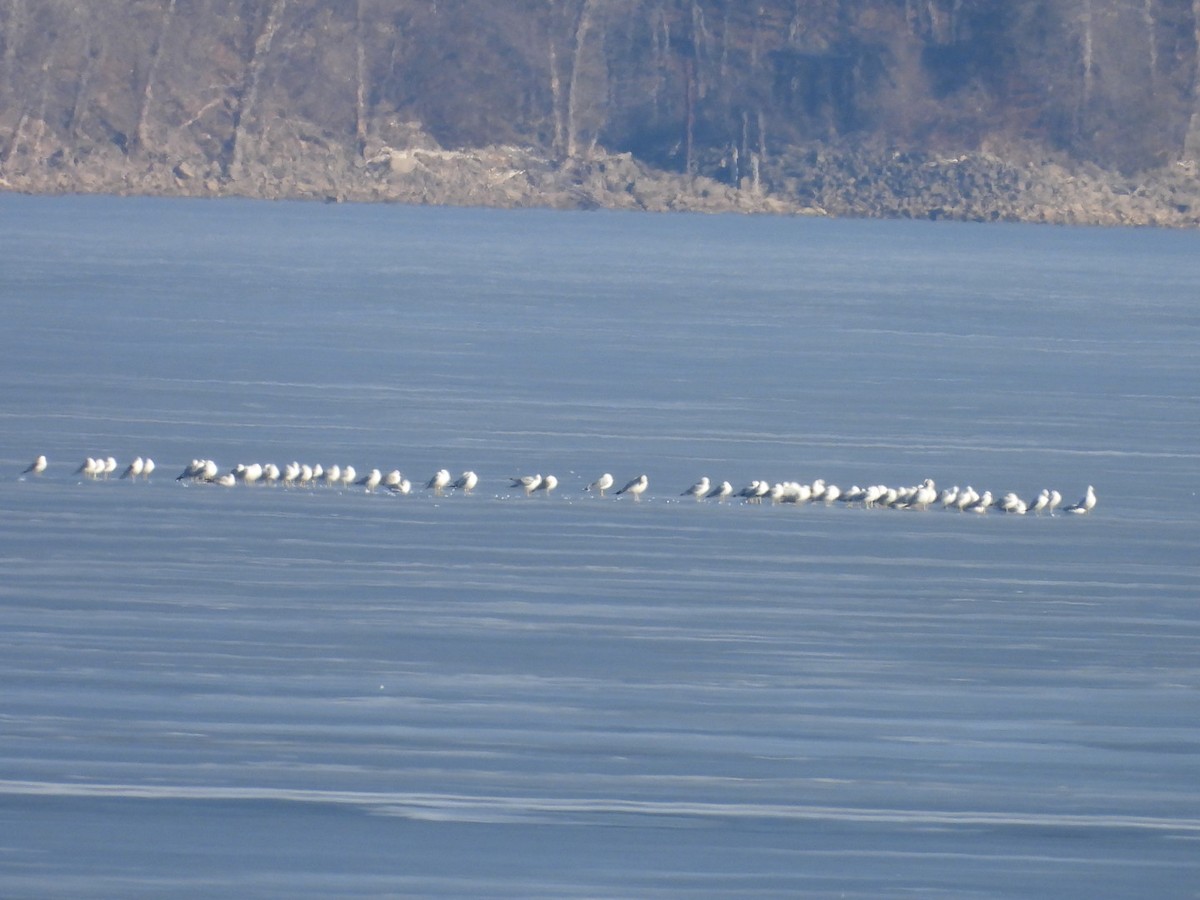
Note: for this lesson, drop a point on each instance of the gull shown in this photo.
(1086, 504)
(90, 468)
(371, 480)
(1055, 501)
(755, 491)
(721, 492)
(924, 495)
(904, 496)
(402, 486)
(348, 474)
(825, 492)
(873, 495)
(110, 466)
(438, 482)
(947, 497)
(147, 468)
(466, 482)
(853, 494)
(636, 487)
(983, 504)
(192, 470)
(392, 478)
(199, 470)
(790, 492)
(966, 497)
(248, 474)
(37, 467)
(226, 480)
(1011, 503)
(1042, 501)
(270, 473)
(333, 475)
(528, 483)
(290, 473)
(699, 490)
(547, 484)
(601, 484)
(134, 469)
(893, 498)
(306, 474)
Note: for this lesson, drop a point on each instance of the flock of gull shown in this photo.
(923, 496)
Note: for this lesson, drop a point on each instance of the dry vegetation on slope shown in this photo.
(1057, 110)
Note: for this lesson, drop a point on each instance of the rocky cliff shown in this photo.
(1046, 110)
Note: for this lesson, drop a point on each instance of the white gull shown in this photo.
(466, 482)
(547, 484)
(1086, 504)
(438, 482)
(601, 484)
(637, 487)
(721, 492)
(527, 483)
(371, 480)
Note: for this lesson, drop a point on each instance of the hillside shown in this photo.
(1045, 110)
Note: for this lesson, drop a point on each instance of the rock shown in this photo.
(401, 163)
(1021, 183)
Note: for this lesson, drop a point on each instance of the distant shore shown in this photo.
(1010, 184)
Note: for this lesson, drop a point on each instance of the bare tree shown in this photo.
(582, 26)
(360, 85)
(660, 41)
(1151, 39)
(1191, 145)
(248, 97)
(82, 83)
(13, 32)
(559, 139)
(139, 131)
(1088, 25)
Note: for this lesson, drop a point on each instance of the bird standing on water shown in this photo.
(636, 487)
(438, 482)
(601, 484)
(527, 483)
(1086, 504)
(466, 482)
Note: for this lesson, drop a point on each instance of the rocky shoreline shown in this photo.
(1011, 184)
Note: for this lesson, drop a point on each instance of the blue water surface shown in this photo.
(263, 691)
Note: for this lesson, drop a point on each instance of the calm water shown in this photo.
(266, 692)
